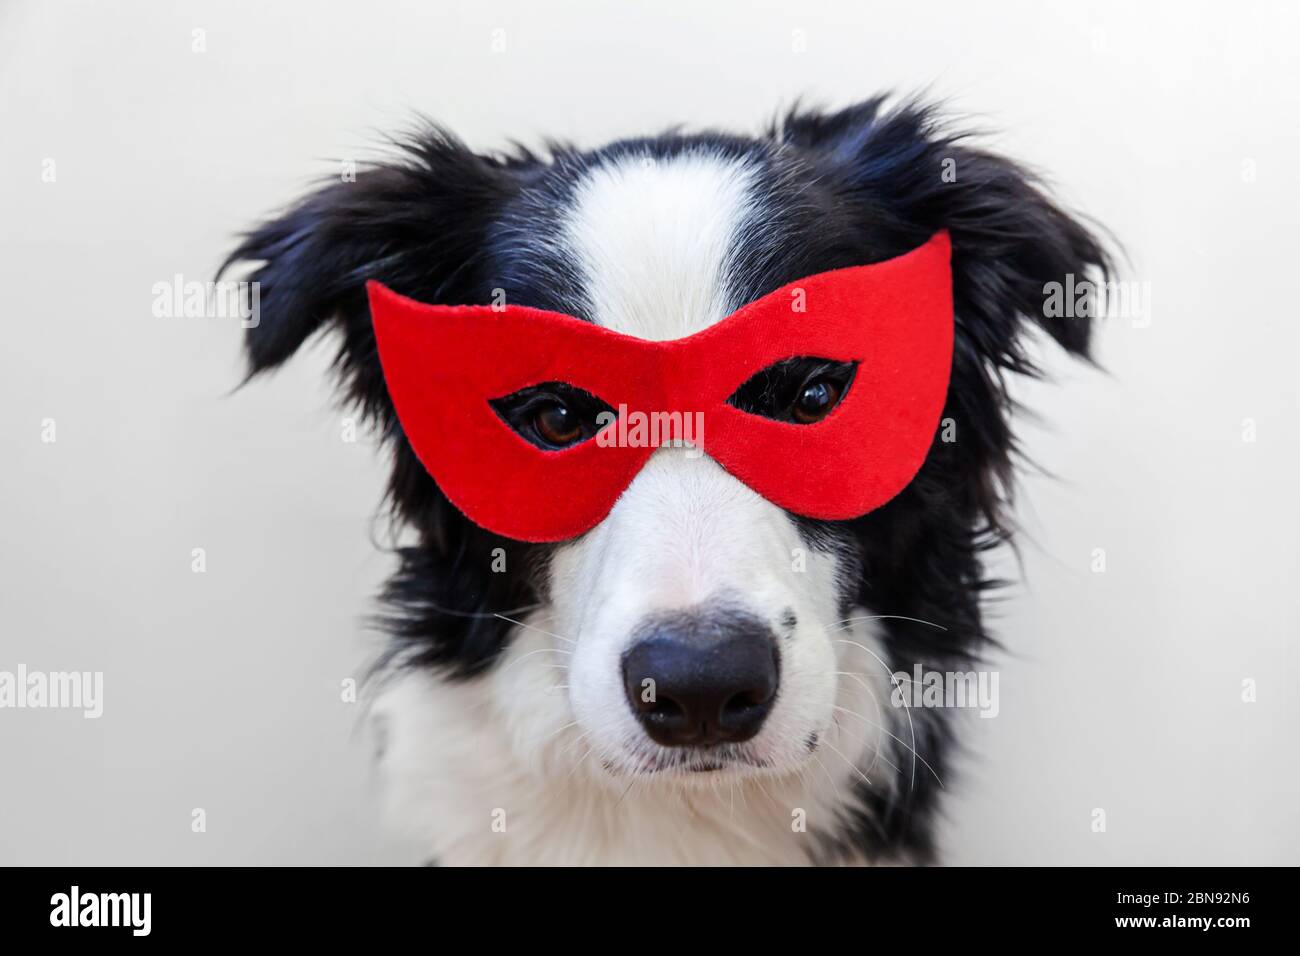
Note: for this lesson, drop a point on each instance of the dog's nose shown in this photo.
(694, 686)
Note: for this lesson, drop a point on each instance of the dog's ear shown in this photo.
(899, 176)
(419, 224)
(415, 223)
(905, 176)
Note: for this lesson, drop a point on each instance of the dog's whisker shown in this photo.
(850, 621)
(906, 709)
(637, 777)
(555, 733)
(852, 766)
(900, 740)
(877, 755)
(875, 702)
(860, 675)
(540, 650)
(580, 762)
(880, 715)
(539, 630)
(574, 743)
(870, 817)
(744, 803)
(449, 612)
(834, 785)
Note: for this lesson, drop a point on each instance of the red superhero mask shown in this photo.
(446, 366)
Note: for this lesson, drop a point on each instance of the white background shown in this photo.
(1120, 690)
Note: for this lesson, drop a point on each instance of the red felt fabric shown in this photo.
(444, 363)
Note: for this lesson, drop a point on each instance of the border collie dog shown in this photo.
(507, 732)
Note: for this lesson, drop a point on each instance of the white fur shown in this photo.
(653, 236)
(541, 761)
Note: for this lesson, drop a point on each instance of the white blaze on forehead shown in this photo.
(652, 237)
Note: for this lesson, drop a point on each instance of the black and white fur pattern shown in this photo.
(506, 735)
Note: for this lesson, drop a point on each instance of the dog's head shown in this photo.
(742, 618)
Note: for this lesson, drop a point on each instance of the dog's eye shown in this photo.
(815, 401)
(557, 425)
(801, 390)
(553, 415)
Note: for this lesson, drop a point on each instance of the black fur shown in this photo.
(443, 224)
